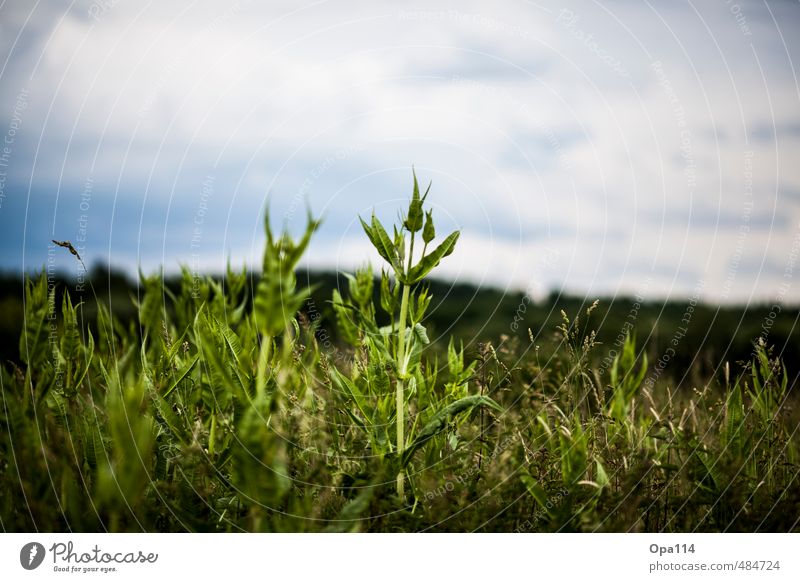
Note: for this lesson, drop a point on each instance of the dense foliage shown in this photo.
(225, 407)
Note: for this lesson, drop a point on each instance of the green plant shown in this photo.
(408, 272)
(625, 380)
(225, 404)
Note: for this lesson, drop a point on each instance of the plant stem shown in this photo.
(401, 357)
(212, 436)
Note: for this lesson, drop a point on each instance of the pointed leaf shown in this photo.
(389, 252)
(181, 375)
(428, 262)
(442, 419)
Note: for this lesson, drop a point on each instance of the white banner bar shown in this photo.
(401, 557)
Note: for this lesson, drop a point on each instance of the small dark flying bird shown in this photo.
(68, 245)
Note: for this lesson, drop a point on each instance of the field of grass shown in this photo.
(231, 404)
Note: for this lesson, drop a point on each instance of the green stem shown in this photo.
(212, 436)
(401, 348)
(410, 254)
(401, 356)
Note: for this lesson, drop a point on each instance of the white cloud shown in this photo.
(542, 125)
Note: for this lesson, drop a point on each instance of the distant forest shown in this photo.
(686, 342)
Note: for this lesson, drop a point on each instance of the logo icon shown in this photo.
(31, 555)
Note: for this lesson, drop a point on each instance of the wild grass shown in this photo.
(221, 410)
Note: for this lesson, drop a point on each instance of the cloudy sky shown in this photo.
(610, 147)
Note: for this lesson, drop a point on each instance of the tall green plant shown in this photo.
(626, 380)
(408, 273)
(277, 298)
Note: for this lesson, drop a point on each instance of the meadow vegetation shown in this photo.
(226, 405)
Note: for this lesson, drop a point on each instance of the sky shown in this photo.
(645, 148)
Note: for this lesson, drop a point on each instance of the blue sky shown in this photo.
(612, 147)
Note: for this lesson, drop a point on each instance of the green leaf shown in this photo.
(389, 294)
(440, 421)
(455, 359)
(413, 222)
(429, 232)
(39, 308)
(399, 243)
(374, 240)
(349, 387)
(418, 338)
(276, 301)
(231, 339)
(71, 335)
(260, 468)
(429, 261)
(181, 375)
(601, 478)
(573, 450)
(89, 356)
(349, 518)
(220, 380)
(385, 245)
(167, 418)
(733, 435)
(420, 306)
(625, 379)
(295, 251)
(345, 318)
(151, 307)
(538, 493)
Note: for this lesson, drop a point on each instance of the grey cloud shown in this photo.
(483, 66)
(710, 219)
(765, 131)
(362, 91)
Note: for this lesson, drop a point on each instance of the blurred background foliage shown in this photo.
(714, 334)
